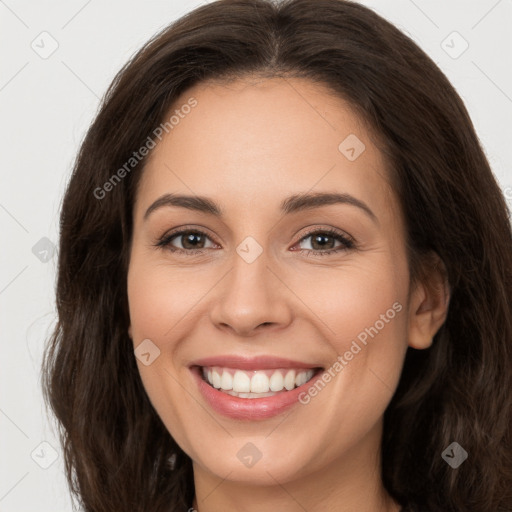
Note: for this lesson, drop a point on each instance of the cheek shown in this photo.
(352, 298)
(157, 307)
(161, 298)
(362, 314)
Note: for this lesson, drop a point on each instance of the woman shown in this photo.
(284, 277)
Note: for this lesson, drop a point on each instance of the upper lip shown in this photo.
(252, 363)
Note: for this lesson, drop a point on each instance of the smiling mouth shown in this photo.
(256, 383)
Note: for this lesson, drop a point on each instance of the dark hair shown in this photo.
(116, 447)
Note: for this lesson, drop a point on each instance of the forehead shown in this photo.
(249, 139)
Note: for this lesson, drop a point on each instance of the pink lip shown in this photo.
(251, 363)
(248, 408)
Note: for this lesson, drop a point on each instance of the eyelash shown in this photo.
(164, 242)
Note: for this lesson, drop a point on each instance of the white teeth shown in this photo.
(289, 380)
(254, 384)
(241, 382)
(259, 383)
(300, 378)
(276, 382)
(249, 395)
(226, 381)
(215, 380)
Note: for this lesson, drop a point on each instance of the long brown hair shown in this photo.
(117, 450)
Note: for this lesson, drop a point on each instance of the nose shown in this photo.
(251, 297)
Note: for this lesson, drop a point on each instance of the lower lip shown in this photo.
(248, 408)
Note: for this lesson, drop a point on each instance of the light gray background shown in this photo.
(48, 103)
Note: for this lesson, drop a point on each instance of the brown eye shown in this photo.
(323, 242)
(189, 241)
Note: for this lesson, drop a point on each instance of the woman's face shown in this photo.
(273, 283)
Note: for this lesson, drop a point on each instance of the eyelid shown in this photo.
(185, 229)
(329, 230)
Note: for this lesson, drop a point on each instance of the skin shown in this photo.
(248, 145)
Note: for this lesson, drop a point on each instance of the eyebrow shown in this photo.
(292, 204)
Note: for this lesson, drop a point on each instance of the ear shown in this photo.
(428, 303)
